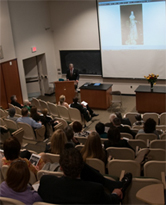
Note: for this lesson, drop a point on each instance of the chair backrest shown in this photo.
(64, 113)
(154, 168)
(158, 144)
(53, 109)
(152, 115)
(96, 164)
(161, 127)
(79, 147)
(18, 110)
(10, 124)
(10, 201)
(75, 115)
(35, 102)
(156, 154)
(121, 153)
(11, 106)
(43, 104)
(103, 140)
(135, 186)
(5, 135)
(2, 113)
(131, 116)
(126, 135)
(134, 143)
(147, 137)
(163, 136)
(82, 140)
(19, 135)
(45, 172)
(52, 157)
(42, 203)
(115, 167)
(162, 118)
(2, 123)
(28, 131)
(137, 127)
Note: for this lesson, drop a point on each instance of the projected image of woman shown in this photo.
(133, 36)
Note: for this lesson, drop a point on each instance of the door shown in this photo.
(3, 98)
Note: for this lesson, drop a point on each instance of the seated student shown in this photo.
(110, 123)
(11, 115)
(12, 153)
(26, 119)
(77, 128)
(14, 102)
(16, 184)
(83, 110)
(34, 114)
(70, 136)
(124, 121)
(93, 148)
(62, 102)
(100, 129)
(71, 189)
(117, 123)
(139, 120)
(149, 127)
(115, 140)
(27, 104)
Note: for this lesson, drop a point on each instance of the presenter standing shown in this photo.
(72, 74)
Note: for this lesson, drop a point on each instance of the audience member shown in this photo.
(11, 115)
(27, 104)
(149, 127)
(16, 184)
(93, 148)
(78, 132)
(26, 119)
(14, 101)
(139, 120)
(123, 129)
(35, 115)
(83, 110)
(70, 136)
(71, 189)
(115, 140)
(110, 123)
(11, 149)
(124, 121)
(100, 129)
(62, 102)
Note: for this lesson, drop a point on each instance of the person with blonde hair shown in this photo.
(62, 102)
(27, 104)
(93, 148)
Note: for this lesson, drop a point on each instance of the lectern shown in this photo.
(65, 88)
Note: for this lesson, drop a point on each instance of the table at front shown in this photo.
(152, 194)
(97, 96)
(150, 101)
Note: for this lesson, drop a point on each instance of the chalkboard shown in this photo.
(87, 62)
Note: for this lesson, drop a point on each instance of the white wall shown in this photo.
(29, 21)
(6, 36)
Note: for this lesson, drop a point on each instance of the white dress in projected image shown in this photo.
(133, 36)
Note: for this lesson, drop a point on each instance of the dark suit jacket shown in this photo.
(126, 130)
(78, 106)
(75, 75)
(65, 190)
(121, 143)
(16, 104)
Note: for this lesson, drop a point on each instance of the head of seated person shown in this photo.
(118, 115)
(71, 163)
(116, 122)
(114, 136)
(69, 133)
(93, 147)
(13, 98)
(33, 111)
(58, 141)
(77, 127)
(100, 128)
(11, 148)
(24, 112)
(75, 100)
(111, 117)
(18, 176)
(62, 99)
(12, 112)
(44, 111)
(149, 125)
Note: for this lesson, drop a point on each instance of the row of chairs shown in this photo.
(160, 119)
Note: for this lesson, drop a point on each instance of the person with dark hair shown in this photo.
(26, 119)
(70, 137)
(115, 140)
(85, 111)
(100, 129)
(139, 120)
(78, 132)
(124, 121)
(11, 115)
(72, 189)
(16, 184)
(123, 129)
(149, 127)
(14, 102)
(72, 74)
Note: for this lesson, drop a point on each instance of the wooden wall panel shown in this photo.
(3, 99)
(12, 80)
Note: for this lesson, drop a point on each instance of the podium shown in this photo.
(65, 88)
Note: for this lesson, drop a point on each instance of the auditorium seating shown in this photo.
(162, 118)
(53, 110)
(158, 144)
(131, 116)
(43, 203)
(10, 201)
(126, 135)
(96, 164)
(121, 153)
(10, 124)
(154, 116)
(45, 172)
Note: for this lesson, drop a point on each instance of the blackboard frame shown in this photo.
(87, 62)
